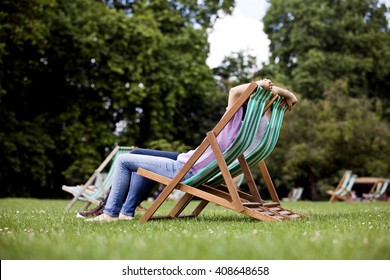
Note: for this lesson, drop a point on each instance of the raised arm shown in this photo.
(289, 98)
(236, 91)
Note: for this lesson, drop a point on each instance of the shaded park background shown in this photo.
(79, 77)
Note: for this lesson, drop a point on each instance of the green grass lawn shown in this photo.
(40, 229)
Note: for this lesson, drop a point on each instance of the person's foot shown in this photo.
(124, 217)
(98, 210)
(102, 218)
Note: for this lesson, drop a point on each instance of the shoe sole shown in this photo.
(102, 221)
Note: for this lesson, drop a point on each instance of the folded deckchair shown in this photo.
(294, 194)
(377, 190)
(224, 195)
(344, 193)
(340, 186)
(98, 185)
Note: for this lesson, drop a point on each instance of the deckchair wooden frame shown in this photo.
(83, 194)
(225, 195)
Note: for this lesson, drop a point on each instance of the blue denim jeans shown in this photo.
(150, 152)
(156, 153)
(128, 186)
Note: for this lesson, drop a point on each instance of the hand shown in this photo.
(267, 84)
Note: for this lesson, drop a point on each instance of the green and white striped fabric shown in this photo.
(263, 149)
(243, 140)
(348, 177)
(382, 189)
(349, 186)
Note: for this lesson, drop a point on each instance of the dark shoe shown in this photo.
(140, 208)
(98, 210)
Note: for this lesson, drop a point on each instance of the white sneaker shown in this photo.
(102, 218)
(125, 217)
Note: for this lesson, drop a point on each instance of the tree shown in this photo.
(74, 84)
(332, 54)
(323, 137)
(316, 42)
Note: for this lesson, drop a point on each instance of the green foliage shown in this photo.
(236, 68)
(39, 229)
(79, 77)
(317, 42)
(320, 138)
(333, 55)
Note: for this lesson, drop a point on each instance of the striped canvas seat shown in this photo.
(263, 149)
(243, 140)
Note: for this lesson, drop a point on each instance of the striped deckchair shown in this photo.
(256, 156)
(98, 185)
(341, 186)
(196, 185)
(344, 193)
(377, 191)
(294, 194)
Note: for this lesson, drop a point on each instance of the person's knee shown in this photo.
(122, 159)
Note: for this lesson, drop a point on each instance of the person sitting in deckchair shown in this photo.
(128, 186)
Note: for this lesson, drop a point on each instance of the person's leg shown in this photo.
(125, 176)
(149, 152)
(155, 153)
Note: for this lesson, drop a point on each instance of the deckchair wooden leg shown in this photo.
(225, 172)
(70, 204)
(249, 179)
(180, 205)
(170, 184)
(200, 208)
(86, 205)
(268, 182)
